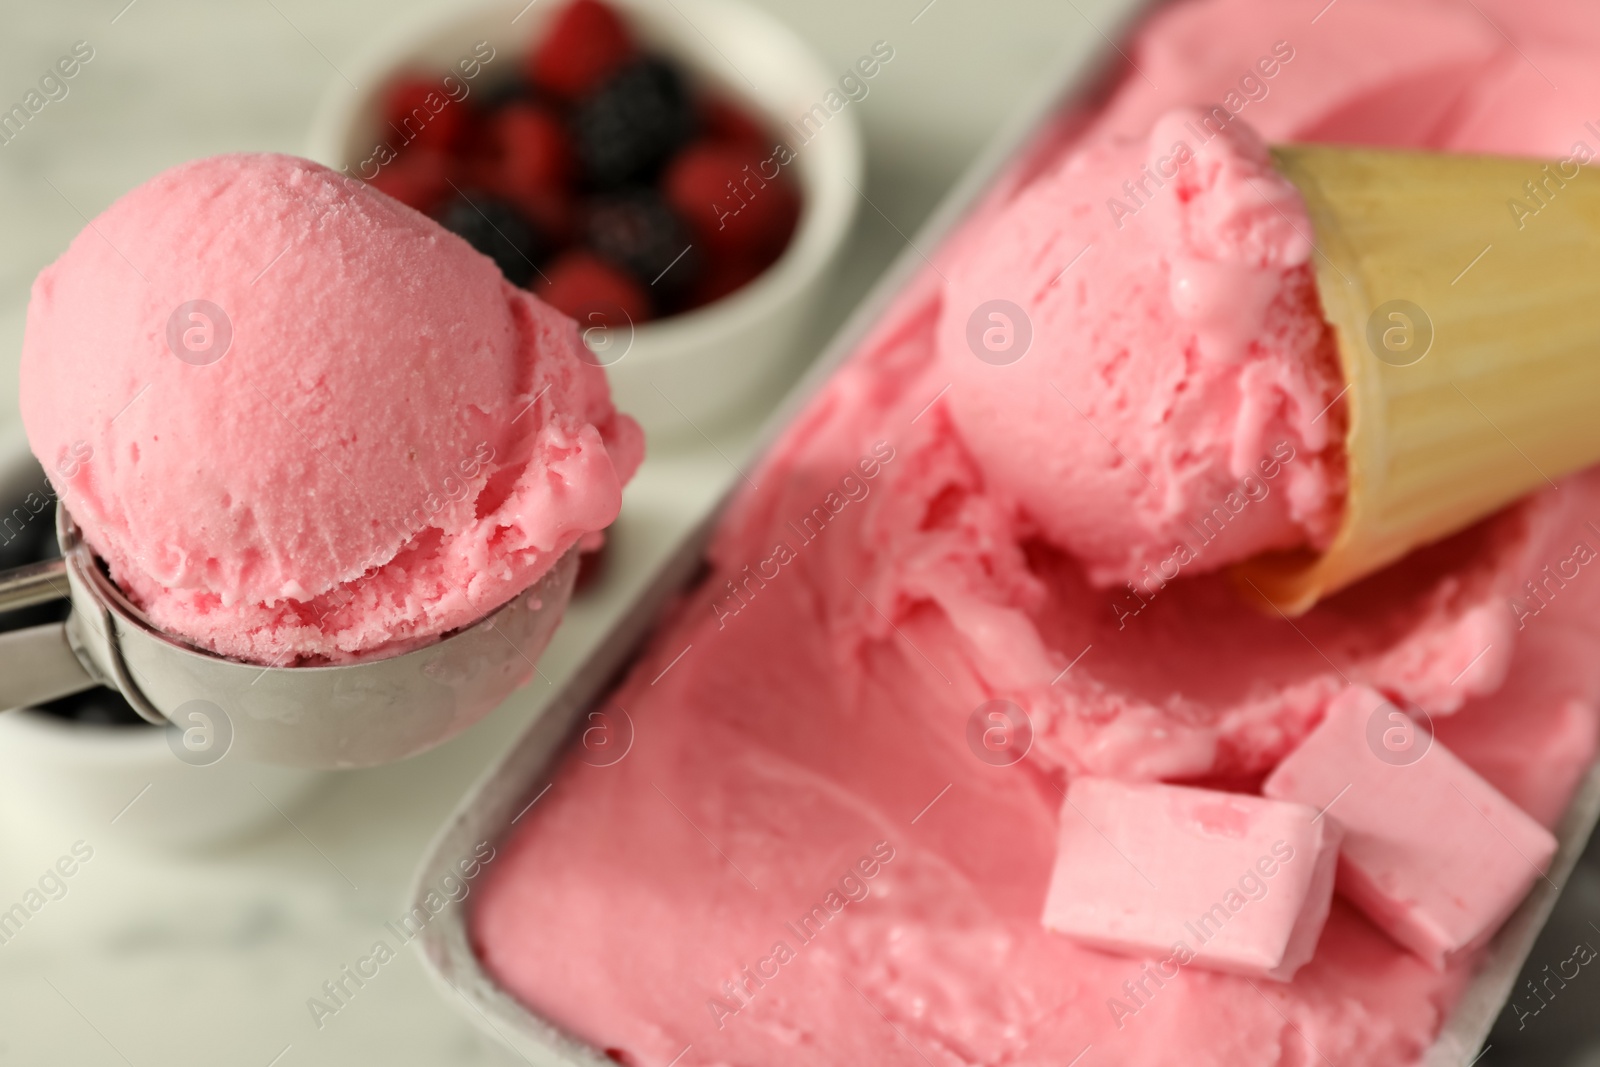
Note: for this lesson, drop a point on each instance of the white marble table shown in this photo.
(210, 958)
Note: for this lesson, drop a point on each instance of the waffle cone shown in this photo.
(1484, 384)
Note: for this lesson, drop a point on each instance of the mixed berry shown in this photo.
(599, 178)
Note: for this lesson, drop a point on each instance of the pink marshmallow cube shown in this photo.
(1434, 855)
(1221, 880)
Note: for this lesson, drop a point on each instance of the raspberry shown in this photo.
(529, 146)
(724, 121)
(734, 208)
(422, 114)
(552, 212)
(633, 123)
(499, 231)
(417, 178)
(491, 98)
(638, 232)
(586, 44)
(593, 291)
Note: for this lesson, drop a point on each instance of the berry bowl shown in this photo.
(677, 175)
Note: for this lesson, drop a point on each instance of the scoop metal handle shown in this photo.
(39, 663)
(36, 583)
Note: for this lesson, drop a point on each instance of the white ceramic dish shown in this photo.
(53, 771)
(697, 368)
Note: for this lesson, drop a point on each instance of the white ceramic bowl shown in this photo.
(696, 368)
(125, 778)
(54, 772)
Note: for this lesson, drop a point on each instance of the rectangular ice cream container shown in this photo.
(1086, 72)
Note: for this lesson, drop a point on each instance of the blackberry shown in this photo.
(629, 127)
(499, 231)
(639, 232)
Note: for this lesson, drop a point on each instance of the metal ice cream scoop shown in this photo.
(372, 711)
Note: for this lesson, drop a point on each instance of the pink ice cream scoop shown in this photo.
(302, 423)
(1143, 324)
